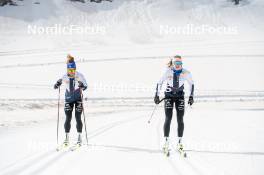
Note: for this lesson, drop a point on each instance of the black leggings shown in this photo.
(179, 105)
(78, 113)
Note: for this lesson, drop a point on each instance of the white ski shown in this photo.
(166, 151)
(62, 147)
(181, 151)
(75, 146)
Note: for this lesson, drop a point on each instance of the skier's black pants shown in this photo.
(78, 113)
(179, 105)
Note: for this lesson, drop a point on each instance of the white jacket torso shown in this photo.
(66, 80)
(73, 92)
(175, 82)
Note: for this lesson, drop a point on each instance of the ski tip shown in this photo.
(166, 153)
(185, 155)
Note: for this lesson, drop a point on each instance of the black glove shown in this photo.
(156, 99)
(81, 85)
(58, 83)
(190, 101)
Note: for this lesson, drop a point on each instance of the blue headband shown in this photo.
(71, 65)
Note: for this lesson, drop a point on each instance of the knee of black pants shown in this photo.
(168, 105)
(79, 124)
(180, 107)
(166, 127)
(68, 112)
(180, 115)
(78, 115)
(180, 124)
(68, 108)
(78, 107)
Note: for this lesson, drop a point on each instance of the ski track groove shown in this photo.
(27, 164)
(20, 65)
(39, 163)
(43, 165)
(193, 167)
(169, 163)
(93, 50)
(208, 168)
(186, 162)
(193, 164)
(109, 126)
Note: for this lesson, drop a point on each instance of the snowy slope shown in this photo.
(32, 63)
(132, 39)
(124, 143)
(138, 22)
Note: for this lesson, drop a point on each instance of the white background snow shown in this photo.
(223, 130)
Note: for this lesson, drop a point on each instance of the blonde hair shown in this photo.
(169, 64)
(70, 58)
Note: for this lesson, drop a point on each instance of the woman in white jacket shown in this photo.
(75, 83)
(174, 78)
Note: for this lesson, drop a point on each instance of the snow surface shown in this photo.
(223, 131)
(218, 141)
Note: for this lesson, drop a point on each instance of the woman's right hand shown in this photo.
(156, 99)
(58, 83)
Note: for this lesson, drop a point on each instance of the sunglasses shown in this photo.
(71, 71)
(178, 63)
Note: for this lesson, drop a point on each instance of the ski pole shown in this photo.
(188, 108)
(58, 117)
(84, 118)
(155, 110)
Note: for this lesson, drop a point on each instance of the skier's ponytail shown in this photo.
(169, 64)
